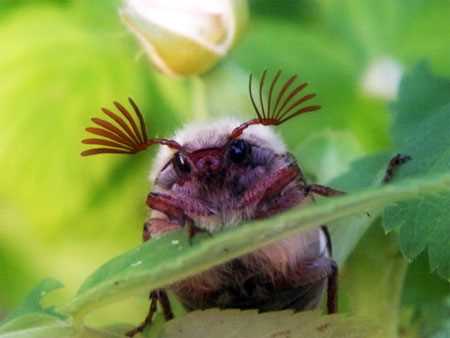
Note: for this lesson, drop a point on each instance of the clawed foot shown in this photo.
(322, 190)
(148, 319)
(156, 296)
(397, 161)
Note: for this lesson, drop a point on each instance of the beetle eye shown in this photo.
(239, 150)
(181, 164)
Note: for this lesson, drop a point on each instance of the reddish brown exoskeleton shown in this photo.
(221, 174)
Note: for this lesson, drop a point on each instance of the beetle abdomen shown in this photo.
(290, 274)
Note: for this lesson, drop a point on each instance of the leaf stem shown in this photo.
(118, 279)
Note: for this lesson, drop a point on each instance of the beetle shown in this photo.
(216, 175)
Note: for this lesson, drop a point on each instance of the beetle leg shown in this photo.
(165, 304)
(178, 207)
(323, 190)
(332, 285)
(279, 204)
(156, 296)
(332, 288)
(178, 211)
(166, 205)
(148, 319)
(271, 185)
(393, 165)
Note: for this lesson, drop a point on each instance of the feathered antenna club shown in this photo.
(127, 136)
(277, 108)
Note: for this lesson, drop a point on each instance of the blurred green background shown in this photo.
(60, 61)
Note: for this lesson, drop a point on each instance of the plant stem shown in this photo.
(199, 100)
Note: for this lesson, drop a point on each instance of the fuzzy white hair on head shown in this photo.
(208, 134)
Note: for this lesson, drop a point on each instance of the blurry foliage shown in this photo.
(426, 302)
(32, 311)
(58, 76)
(296, 11)
(15, 274)
(61, 60)
(421, 130)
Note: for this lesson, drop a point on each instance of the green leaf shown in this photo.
(280, 324)
(423, 298)
(421, 287)
(364, 173)
(421, 130)
(31, 311)
(421, 93)
(160, 262)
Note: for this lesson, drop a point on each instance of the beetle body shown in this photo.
(216, 183)
(217, 175)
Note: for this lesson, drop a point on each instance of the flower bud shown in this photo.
(185, 37)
